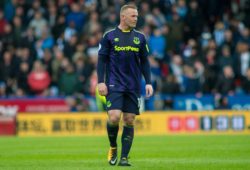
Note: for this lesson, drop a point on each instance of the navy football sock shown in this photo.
(127, 140)
(112, 133)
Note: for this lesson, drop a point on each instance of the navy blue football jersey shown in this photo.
(125, 57)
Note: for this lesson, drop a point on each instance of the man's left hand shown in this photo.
(149, 90)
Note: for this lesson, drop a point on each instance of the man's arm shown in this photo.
(101, 68)
(145, 68)
(146, 74)
(101, 65)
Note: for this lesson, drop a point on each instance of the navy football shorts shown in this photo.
(128, 102)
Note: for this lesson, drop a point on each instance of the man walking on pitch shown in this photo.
(122, 59)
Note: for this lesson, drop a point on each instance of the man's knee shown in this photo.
(129, 120)
(114, 117)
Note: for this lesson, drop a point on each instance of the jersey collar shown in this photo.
(124, 31)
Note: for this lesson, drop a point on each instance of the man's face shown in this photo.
(130, 17)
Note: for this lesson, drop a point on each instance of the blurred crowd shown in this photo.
(50, 48)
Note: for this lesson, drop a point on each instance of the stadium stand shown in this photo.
(198, 47)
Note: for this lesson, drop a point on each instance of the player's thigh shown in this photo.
(114, 101)
(131, 103)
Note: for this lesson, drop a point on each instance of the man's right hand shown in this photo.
(102, 89)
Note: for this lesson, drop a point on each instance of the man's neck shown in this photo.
(124, 28)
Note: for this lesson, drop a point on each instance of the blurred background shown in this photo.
(199, 54)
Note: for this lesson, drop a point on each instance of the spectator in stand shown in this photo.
(181, 8)
(176, 34)
(219, 33)
(47, 60)
(51, 14)
(176, 68)
(193, 21)
(246, 82)
(210, 75)
(45, 42)
(225, 84)
(38, 23)
(56, 65)
(3, 22)
(38, 79)
(77, 16)
(242, 59)
(191, 80)
(226, 58)
(7, 39)
(190, 53)
(83, 67)
(18, 29)
(79, 53)
(76, 104)
(70, 47)
(157, 44)
(110, 22)
(223, 103)
(24, 55)
(211, 67)
(93, 25)
(205, 37)
(170, 87)
(29, 41)
(158, 18)
(69, 83)
(144, 14)
(7, 72)
(36, 7)
(9, 9)
(63, 7)
(91, 84)
(22, 76)
(211, 57)
(59, 28)
(229, 40)
(69, 31)
(3, 89)
(20, 13)
(245, 35)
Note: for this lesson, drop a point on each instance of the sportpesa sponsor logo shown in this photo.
(126, 48)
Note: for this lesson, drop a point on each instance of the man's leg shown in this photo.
(112, 130)
(113, 126)
(127, 137)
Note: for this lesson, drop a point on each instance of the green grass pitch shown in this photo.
(148, 152)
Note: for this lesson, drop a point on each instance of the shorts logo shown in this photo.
(136, 40)
(116, 39)
(100, 46)
(139, 102)
(147, 48)
(109, 103)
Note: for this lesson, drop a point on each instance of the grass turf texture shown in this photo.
(148, 152)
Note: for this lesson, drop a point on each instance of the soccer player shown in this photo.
(122, 60)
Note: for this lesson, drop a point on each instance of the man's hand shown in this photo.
(102, 89)
(149, 90)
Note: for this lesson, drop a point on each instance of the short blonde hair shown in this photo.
(125, 7)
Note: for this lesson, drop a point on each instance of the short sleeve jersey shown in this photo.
(123, 52)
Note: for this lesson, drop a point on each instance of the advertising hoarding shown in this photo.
(153, 123)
